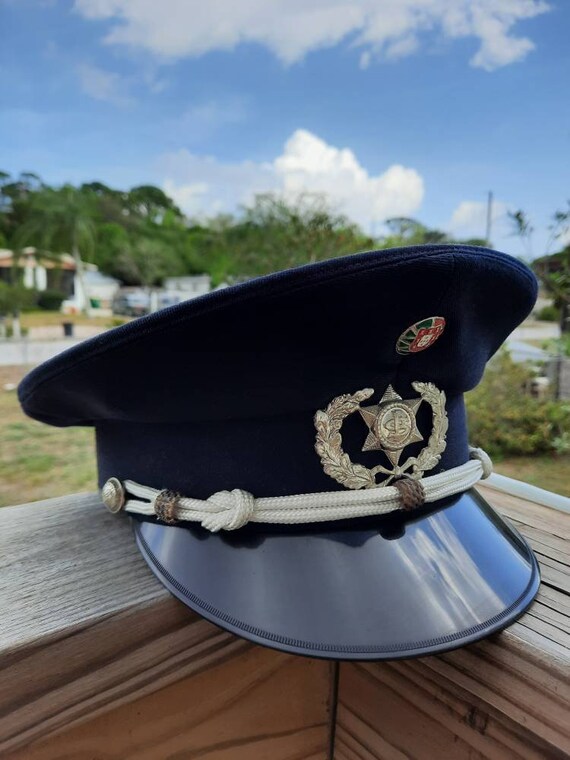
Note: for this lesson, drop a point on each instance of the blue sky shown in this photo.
(391, 107)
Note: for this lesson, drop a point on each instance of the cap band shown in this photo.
(230, 510)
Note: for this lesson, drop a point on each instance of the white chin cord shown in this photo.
(230, 510)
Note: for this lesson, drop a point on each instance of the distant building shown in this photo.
(101, 289)
(189, 286)
(39, 272)
(59, 273)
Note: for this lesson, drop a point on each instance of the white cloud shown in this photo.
(201, 119)
(203, 185)
(154, 83)
(293, 28)
(470, 218)
(103, 85)
(497, 47)
(187, 197)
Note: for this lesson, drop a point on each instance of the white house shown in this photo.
(39, 272)
(43, 273)
(100, 290)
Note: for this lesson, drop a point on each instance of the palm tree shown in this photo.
(61, 220)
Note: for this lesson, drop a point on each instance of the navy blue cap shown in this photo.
(220, 393)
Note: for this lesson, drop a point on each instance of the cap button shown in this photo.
(113, 495)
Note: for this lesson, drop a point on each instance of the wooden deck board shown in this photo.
(258, 705)
(87, 634)
(505, 697)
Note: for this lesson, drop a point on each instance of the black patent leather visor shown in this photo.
(381, 588)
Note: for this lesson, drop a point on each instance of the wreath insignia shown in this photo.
(392, 427)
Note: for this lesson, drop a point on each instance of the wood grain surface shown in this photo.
(260, 705)
(503, 698)
(98, 661)
(85, 626)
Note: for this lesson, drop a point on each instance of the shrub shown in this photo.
(548, 314)
(117, 322)
(559, 345)
(15, 298)
(505, 421)
(24, 331)
(51, 300)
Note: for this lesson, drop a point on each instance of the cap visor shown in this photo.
(380, 588)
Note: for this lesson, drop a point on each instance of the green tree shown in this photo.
(5, 202)
(113, 242)
(146, 262)
(151, 202)
(405, 231)
(273, 234)
(522, 228)
(13, 298)
(15, 195)
(5, 207)
(559, 226)
(552, 269)
(61, 221)
(554, 273)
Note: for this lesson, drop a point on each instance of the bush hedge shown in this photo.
(505, 421)
(50, 300)
(16, 298)
(548, 314)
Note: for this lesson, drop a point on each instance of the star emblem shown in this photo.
(392, 424)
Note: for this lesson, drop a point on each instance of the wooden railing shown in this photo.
(98, 661)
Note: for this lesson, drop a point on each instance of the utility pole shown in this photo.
(489, 217)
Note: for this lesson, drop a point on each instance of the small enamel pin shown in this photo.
(420, 335)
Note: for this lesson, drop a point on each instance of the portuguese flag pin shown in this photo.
(420, 335)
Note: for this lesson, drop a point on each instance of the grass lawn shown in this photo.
(38, 461)
(46, 318)
(551, 472)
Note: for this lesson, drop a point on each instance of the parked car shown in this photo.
(131, 302)
(169, 298)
